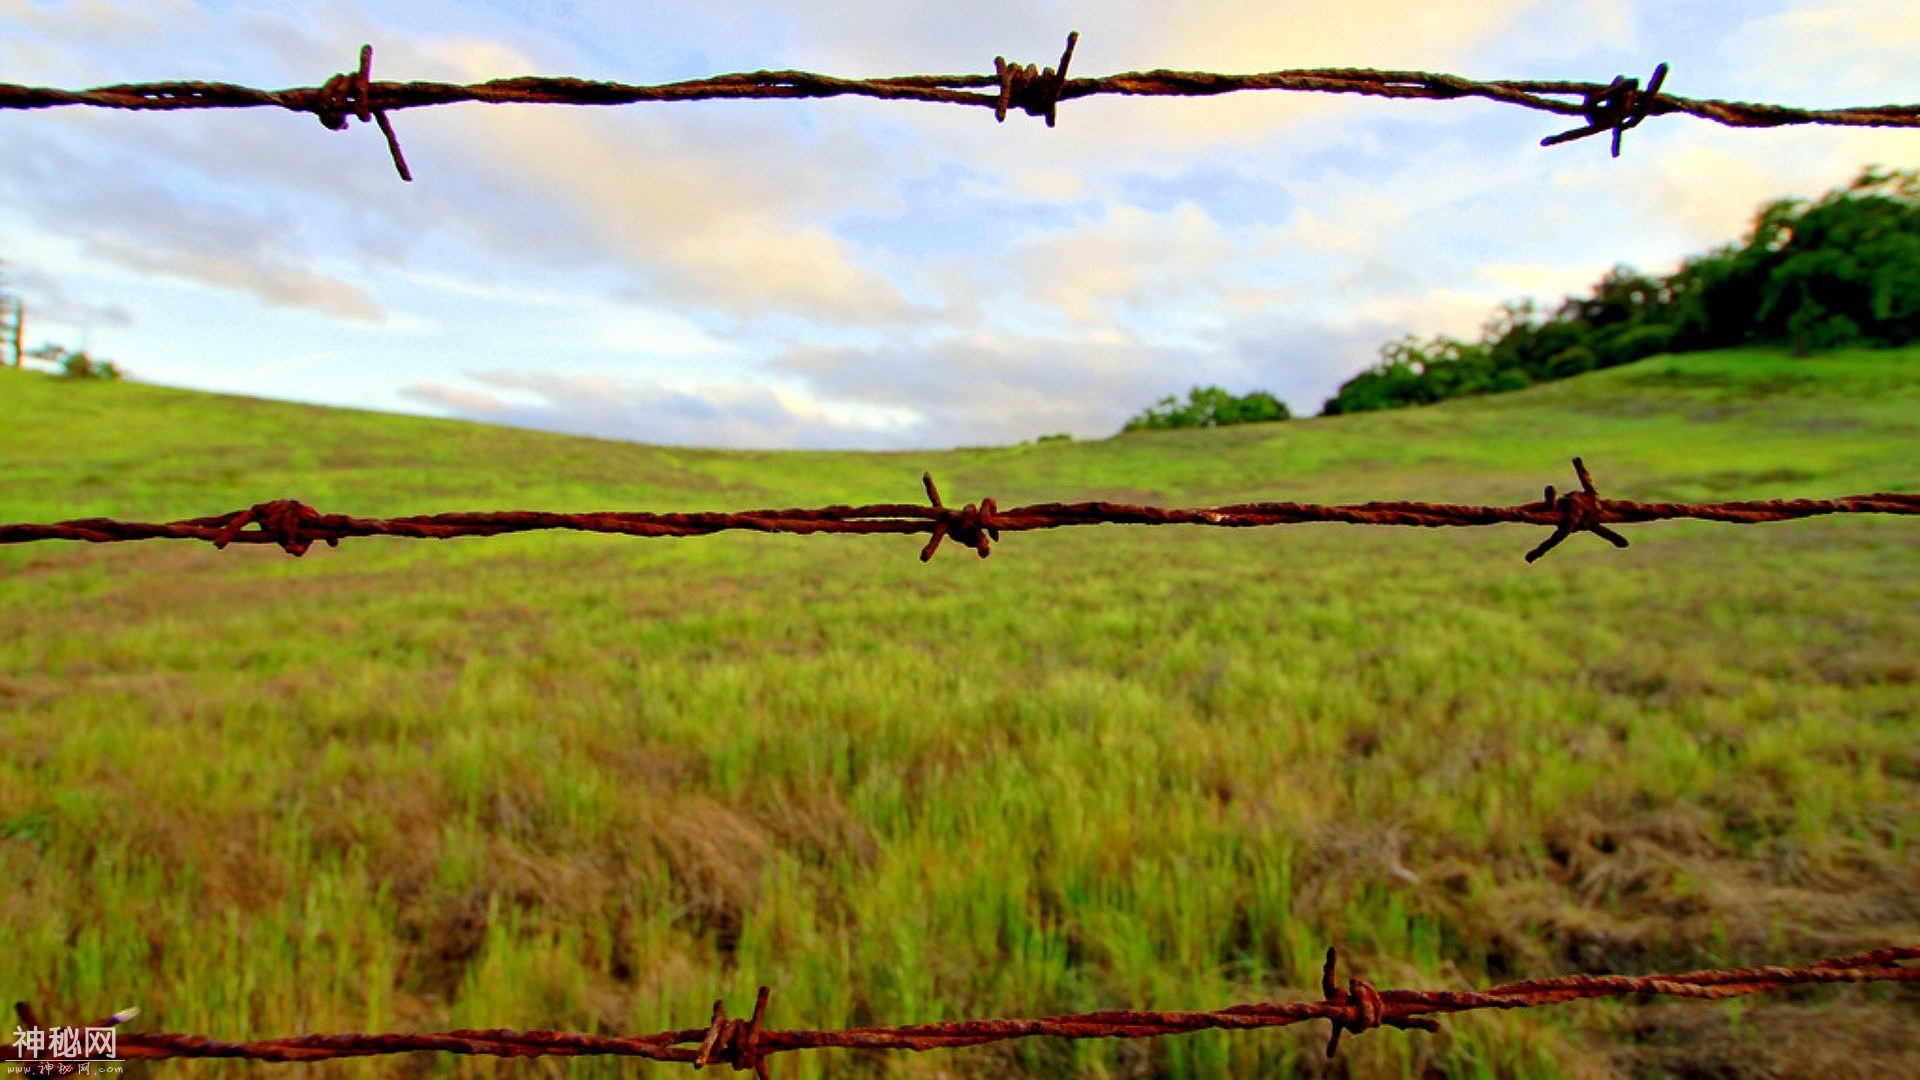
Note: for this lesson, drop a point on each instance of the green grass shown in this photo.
(594, 782)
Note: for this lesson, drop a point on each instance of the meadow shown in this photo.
(594, 782)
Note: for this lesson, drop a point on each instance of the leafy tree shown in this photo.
(75, 363)
(1846, 270)
(1838, 271)
(1210, 406)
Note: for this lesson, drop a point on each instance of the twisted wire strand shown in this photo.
(295, 527)
(1539, 95)
(746, 1044)
(1612, 107)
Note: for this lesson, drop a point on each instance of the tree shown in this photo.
(13, 320)
(75, 363)
(1841, 270)
(1846, 270)
(1210, 406)
(1415, 372)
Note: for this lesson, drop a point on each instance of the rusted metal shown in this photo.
(355, 90)
(1580, 511)
(744, 1045)
(1612, 107)
(1031, 90)
(1618, 107)
(295, 526)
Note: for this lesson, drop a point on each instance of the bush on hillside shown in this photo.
(1838, 271)
(75, 363)
(1210, 406)
(1842, 270)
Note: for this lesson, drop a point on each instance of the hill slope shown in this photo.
(574, 781)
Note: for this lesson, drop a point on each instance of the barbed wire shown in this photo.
(746, 1044)
(1614, 107)
(296, 527)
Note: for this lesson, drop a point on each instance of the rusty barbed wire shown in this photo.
(296, 527)
(1614, 107)
(745, 1045)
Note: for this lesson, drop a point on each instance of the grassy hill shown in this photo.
(595, 782)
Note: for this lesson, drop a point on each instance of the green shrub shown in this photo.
(1210, 406)
(75, 363)
(1843, 270)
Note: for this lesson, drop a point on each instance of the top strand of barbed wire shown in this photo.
(1612, 107)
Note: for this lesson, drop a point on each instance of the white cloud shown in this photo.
(690, 211)
(718, 222)
(51, 300)
(97, 22)
(1264, 35)
(278, 285)
(1547, 282)
(1349, 223)
(996, 387)
(1238, 36)
(1438, 310)
(1832, 48)
(1046, 185)
(1701, 185)
(888, 274)
(1126, 258)
(729, 413)
(141, 223)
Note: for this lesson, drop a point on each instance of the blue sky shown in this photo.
(869, 274)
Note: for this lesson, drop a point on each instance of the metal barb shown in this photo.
(1365, 1009)
(939, 527)
(1616, 107)
(1031, 89)
(1330, 990)
(281, 519)
(735, 1042)
(974, 526)
(1580, 511)
(355, 90)
(1642, 104)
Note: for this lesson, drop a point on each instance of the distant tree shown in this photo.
(1841, 270)
(1209, 406)
(13, 321)
(75, 363)
(13, 325)
(1415, 372)
(1844, 270)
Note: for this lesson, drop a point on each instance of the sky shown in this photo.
(865, 274)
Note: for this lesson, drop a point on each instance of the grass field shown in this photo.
(595, 782)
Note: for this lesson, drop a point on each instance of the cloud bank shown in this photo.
(869, 274)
